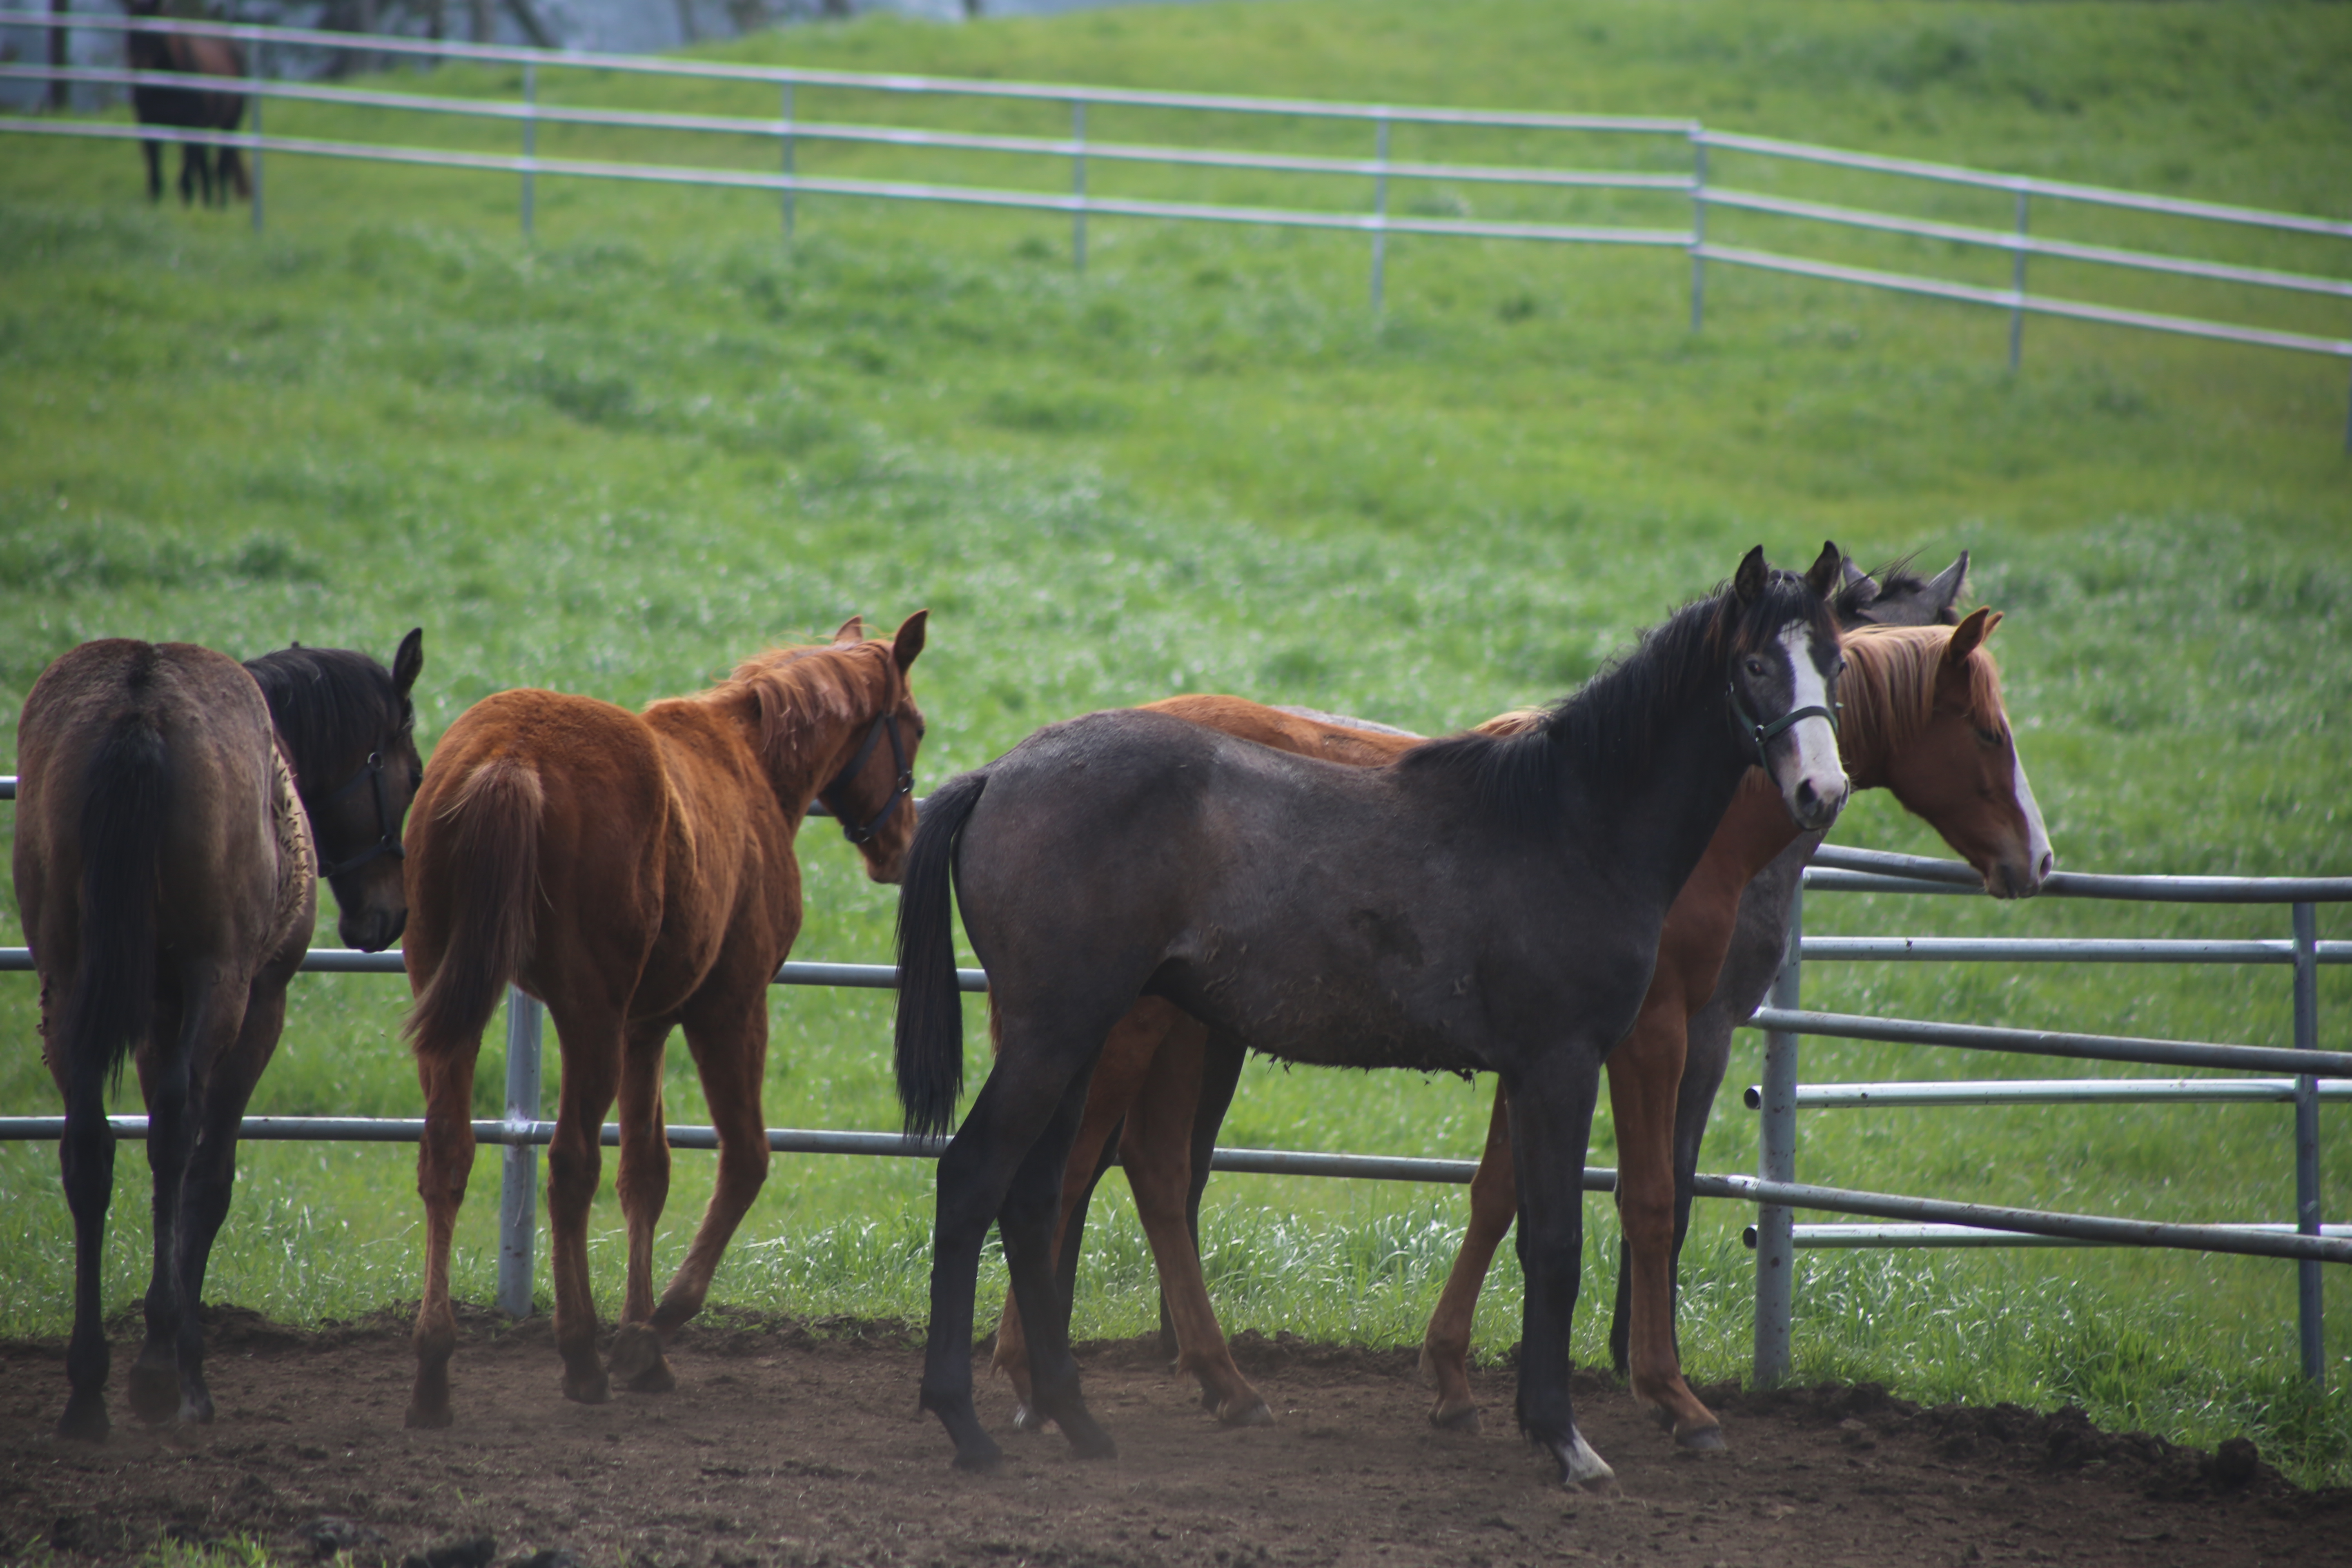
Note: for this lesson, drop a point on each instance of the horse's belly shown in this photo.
(1342, 1021)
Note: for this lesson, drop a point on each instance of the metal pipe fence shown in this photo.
(1931, 1222)
(1084, 146)
(1920, 1222)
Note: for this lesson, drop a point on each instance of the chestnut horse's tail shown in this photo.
(485, 876)
(126, 799)
(931, 1006)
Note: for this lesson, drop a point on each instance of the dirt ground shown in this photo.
(788, 1446)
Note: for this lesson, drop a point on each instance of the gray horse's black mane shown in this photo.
(332, 706)
(1606, 732)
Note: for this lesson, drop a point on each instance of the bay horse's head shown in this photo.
(1931, 695)
(1783, 660)
(844, 714)
(348, 728)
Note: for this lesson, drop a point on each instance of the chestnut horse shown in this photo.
(1484, 904)
(636, 873)
(1160, 1068)
(165, 869)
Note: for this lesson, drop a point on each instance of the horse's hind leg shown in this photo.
(86, 1159)
(228, 1081)
(1028, 1222)
(154, 150)
(644, 1187)
(444, 1159)
(1128, 1052)
(164, 1074)
(1445, 1345)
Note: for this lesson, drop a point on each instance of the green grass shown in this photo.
(617, 460)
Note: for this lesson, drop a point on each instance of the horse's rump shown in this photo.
(480, 848)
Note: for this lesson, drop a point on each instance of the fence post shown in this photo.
(260, 50)
(789, 150)
(1776, 1250)
(60, 56)
(2310, 1300)
(1078, 185)
(518, 1172)
(1698, 231)
(530, 137)
(2017, 281)
(1380, 215)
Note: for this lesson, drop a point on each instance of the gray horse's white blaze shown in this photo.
(1811, 779)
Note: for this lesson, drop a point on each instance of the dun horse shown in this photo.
(165, 867)
(214, 172)
(1164, 1086)
(1482, 905)
(636, 873)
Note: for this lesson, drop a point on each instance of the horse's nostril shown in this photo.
(2049, 861)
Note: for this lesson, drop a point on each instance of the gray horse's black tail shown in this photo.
(126, 796)
(931, 1006)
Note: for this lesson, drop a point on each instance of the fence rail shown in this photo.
(1079, 150)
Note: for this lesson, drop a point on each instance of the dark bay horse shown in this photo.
(1482, 905)
(213, 172)
(165, 866)
(1162, 1086)
(636, 873)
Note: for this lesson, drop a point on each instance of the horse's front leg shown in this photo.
(644, 1189)
(591, 1040)
(1551, 1122)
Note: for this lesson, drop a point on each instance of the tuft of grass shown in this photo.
(618, 460)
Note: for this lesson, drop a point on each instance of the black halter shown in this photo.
(1754, 734)
(858, 833)
(388, 842)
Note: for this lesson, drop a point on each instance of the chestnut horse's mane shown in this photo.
(798, 688)
(1889, 689)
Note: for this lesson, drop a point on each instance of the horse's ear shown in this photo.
(1970, 635)
(409, 662)
(908, 642)
(851, 630)
(1823, 578)
(1750, 579)
(1860, 585)
(1945, 586)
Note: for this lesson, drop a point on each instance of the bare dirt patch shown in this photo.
(789, 1445)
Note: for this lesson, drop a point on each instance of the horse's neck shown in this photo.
(1754, 827)
(1865, 749)
(1677, 801)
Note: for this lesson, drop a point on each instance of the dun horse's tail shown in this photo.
(126, 799)
(930, 1007)
(484, 875)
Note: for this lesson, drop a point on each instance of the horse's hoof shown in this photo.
(588, 1390)
(154, 1389)
(637, 1361)
(982, 1458)
(1580, 1467)
(1253, 1415)
(197, 1409)
(1089, 1440)
(85, 1418)
(1700, 1440)
(1026, 1419)
(1458, 1418)
(427, 1417)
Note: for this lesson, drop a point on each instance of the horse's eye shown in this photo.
(1755, 665)
(1989, 737)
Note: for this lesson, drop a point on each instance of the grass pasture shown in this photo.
(617, 459)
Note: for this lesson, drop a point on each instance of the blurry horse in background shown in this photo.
(216, 172)
(636, 873)
(165, 866)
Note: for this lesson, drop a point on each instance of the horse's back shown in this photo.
(1304, 732)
